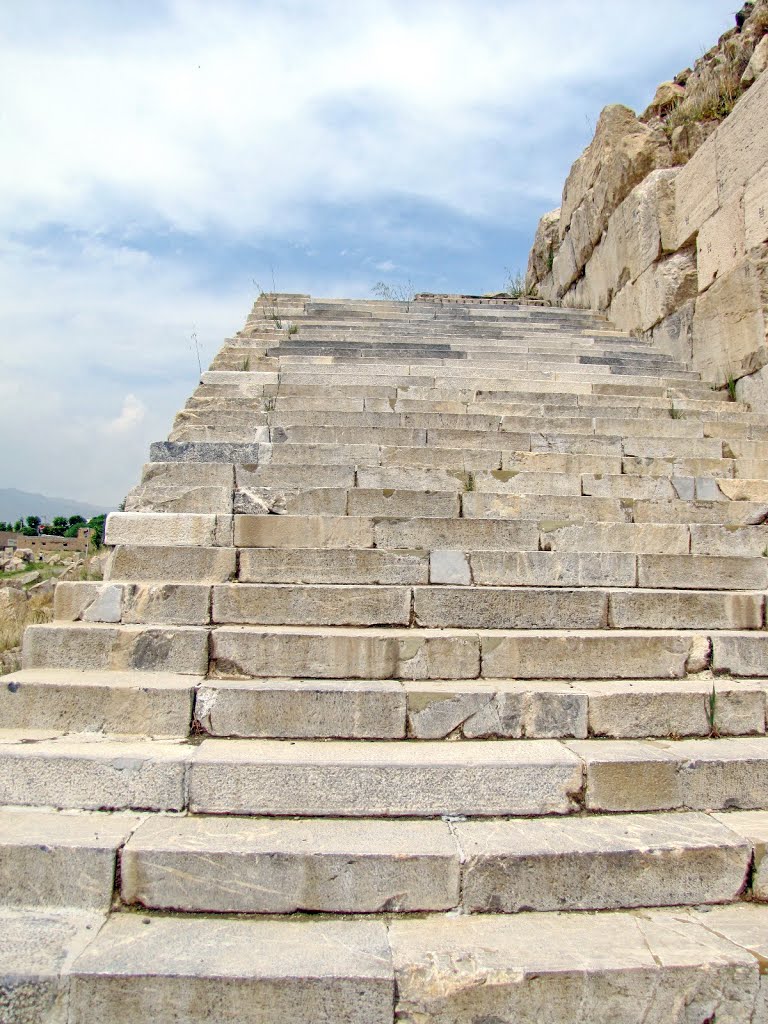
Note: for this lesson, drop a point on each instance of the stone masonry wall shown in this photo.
(664, 218)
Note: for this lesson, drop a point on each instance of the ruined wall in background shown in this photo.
(664, 218)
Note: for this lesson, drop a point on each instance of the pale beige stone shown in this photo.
(336, 653)
(720, 244)
(628, 775)
(528, 968)
(728, 541)
(55, 859)
(94, 774)
(311, 605)
(700, 572)
(456, 535)
(638, 708)
(171, 564)
(642, 538)
(396, 779)
(364, 566)
(241, 865)
(308, 972)
(354, 709)
(681, 609)
(696, 193)
(303, 532)
(752, 826)
(756, 209)
(722, 773)
(157, 528)
(741, 654)
(149, 703)
(501, 608)
(600, 863)
(552, 568)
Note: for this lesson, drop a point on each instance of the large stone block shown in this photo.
(720, 244)
(729, 324)
(172, 564)
(247, 866)
(659, 291)
(252, 972)
(394, 779)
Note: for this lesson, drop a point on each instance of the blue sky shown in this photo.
(158, 157)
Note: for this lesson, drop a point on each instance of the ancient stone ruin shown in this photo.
(428, 679)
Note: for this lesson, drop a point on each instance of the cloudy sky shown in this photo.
(159, 156)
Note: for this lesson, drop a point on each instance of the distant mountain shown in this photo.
(19, 504)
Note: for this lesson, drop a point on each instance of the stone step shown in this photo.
(260, 866)
(135, 968)
(382, 778)
(139, 703)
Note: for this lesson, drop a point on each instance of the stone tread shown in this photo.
(133, 969)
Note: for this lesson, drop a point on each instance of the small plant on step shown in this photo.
(676, 414)
(293, 329)
(247, 364)
(469, 482)
(731, 385)
(712, 713)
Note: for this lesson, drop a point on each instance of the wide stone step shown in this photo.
(140, 703)
(138, 968)
(260, 866)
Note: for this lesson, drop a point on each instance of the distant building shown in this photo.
(45, 542)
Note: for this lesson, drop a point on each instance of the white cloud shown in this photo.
(131, 415)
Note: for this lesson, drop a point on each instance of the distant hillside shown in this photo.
(18, 504)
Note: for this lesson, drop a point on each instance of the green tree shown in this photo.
(58, 526)
(32, 524)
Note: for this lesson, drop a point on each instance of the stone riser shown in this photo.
(136, 564)
(334, 652)
(159, 704)
(375, 972)
(263, 866)
(348, 778)
(430, 607)
(465, 534)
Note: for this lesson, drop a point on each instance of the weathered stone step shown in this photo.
(349, 778)
(141, 703)
(346, 652)
(258, 866)
(136, 969)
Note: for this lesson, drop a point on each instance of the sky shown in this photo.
(161, 159)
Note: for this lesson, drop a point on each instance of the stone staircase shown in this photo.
(428, 683)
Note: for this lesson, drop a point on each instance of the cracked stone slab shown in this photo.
(143, 969)
(654, 967)
(252, 865)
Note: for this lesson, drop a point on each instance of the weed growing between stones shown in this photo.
(675, 414)
(712, 713)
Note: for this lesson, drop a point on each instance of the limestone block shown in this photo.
(400, 503)
(529, 968)
(552, 568)
(98, 646)
(251, 866)
(176, 564)
(624, 486)
(660, 290)
(448, 566)
(676, 609)
(752, 826)
(756, 209)
(674, 333)
(600, 863)
(60, 860)
(142, 703)
(175, 475)
(308, 565)
(311, 605)
(165, 603)
(39, 947)
(638, 538)
(741, 541)
(646, 220)
(515, 608)
(744, 490)
(308, 972)
(94, 774)
(666, 97)
(628, 775)
(303, 532)
(170, 499)
(742, 142)
(743, 655)
(227, 452)
(549, 508)
(565, 270)
(753, 389)
(456, 535)
(758, 62)
(587, 656)
(350, 779)
(146, 528)
(722, 773)
(700, 572)
(720, 244)
(485, 709)
(335, 653)
(345, 709)
(696, 193)
(640, 708)
(729, 325)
